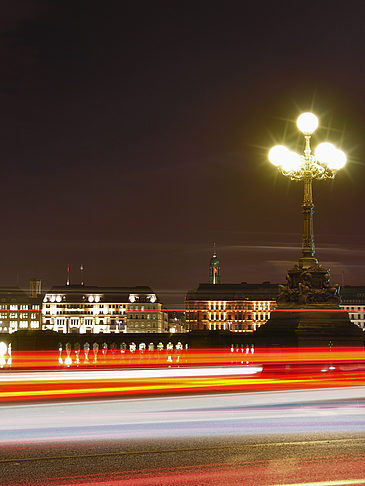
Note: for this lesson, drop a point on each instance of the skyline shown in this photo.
(133, 138)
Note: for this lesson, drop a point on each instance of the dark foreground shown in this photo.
(264, 460)
(267, 438)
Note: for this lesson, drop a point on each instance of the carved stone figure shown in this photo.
(308, 286)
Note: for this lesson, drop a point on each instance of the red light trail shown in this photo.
(185, 371)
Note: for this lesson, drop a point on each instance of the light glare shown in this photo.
(328, 154)
(339, 160)
(307, 123)
(278, 155)
(292, 162)
(325, 152)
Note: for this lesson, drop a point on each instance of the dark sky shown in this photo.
(134, 134)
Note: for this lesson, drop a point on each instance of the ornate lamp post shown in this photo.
(308, 282)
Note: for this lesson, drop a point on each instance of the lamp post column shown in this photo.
(308, 248)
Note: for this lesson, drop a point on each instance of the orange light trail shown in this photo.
(188, 371)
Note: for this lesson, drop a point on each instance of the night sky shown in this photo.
(134, 134)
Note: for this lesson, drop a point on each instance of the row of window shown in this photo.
(66, 307)
(132, 325)
(15, 315)
(266, 305)
(23, 324)
(236, 317)
(19, 307)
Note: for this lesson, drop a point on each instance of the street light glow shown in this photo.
(307, 123)
(278, 155)
(325, 152)
(320, 165)
(338, 161)
(292, 163)
(328, 154)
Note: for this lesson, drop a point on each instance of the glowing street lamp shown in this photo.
(322, 164)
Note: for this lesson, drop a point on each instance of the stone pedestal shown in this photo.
(308, 312)
(308, 328)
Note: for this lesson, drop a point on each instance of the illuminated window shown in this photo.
(13, 307)
(34, 324)
(23, 324)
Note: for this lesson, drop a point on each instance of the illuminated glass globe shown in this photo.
(338, 161)
(328, 154)
(307, 123)
(292, 163)
(278, 155)
(325, 152)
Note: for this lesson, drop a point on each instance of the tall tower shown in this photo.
(214, 268)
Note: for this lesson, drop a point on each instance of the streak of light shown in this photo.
(156, 372)
(326, 483)
(69, 387)
(89, 375)
(190, 357)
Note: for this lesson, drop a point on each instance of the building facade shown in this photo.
(353, 301)
(90, 309)
(19, 310)
(232, 307)
(177, 321)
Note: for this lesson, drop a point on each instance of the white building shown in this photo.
(88, 309)
(353, 300)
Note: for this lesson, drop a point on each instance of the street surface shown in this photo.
(258, 438)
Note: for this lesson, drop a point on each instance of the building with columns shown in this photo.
(231, 307)
(240, 307)
(91, 309)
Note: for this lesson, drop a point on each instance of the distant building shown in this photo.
(233, 307)
(353, 300)
(89, 309)
(177, 321)
(19, 309)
